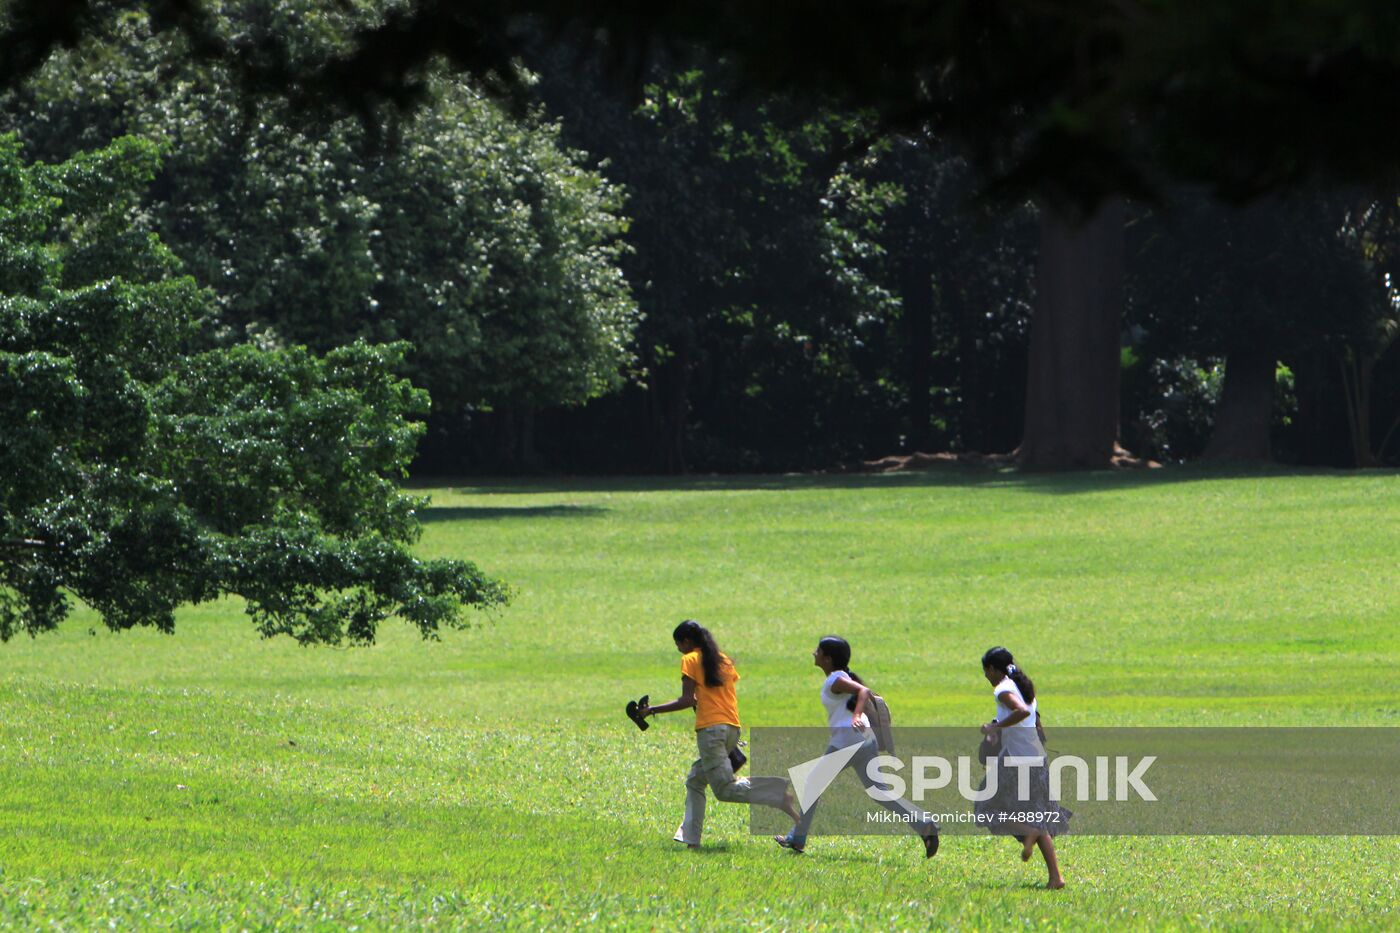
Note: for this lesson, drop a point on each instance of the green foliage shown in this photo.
(1283, 273)
(471, 234)
(750, 254)
(1300, 278)
(497, 256)
(1169, 405)
(143, 469)
(807, 300)
(964, 274)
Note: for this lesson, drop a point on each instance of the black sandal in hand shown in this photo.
(636, 711)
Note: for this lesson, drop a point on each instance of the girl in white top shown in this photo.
(845, 697)
(1020, 734)
(1017, 730)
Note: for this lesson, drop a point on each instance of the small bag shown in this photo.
(989, 748)
(737, 759)
(878, 712)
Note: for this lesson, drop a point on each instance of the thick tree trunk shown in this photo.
(1075, 354)
(916, 295)
(1246, 408)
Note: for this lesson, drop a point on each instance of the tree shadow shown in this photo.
(961, 477)
(459, 513)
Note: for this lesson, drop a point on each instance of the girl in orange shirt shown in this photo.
(708, 679)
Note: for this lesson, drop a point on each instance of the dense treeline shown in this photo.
(801, 302)
(1255, 332)
(682, 272)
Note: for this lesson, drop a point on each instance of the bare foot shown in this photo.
(1027, 848)
(1055, 884)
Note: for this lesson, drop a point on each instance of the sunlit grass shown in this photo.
(213, 779)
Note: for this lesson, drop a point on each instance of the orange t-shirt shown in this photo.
(713, 705)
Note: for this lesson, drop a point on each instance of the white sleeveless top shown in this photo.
(837, 716)
(1020, 739)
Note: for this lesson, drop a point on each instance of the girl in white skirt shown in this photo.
(1016, 732)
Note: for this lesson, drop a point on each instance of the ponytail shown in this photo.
(1001, 660)
(712, 660)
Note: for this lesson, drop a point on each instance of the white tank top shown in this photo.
(1020, 739)
(837, 716)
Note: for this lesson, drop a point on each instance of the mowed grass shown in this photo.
(211, 779)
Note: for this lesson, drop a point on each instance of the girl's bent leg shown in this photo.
(798, 836)
(715, 744)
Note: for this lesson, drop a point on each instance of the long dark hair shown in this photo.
(839, 650)
(711, 658)
(999, 659)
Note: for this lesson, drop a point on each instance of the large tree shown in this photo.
(473, 234)
(141, 468)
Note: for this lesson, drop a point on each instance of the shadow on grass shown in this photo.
(476, 513)
(1010, 884)
(706, 849)
(962, 477)
(834, 854)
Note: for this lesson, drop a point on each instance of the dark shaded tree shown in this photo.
(1281, 280)
(749, 247)
(964, 274)
(1070, 101)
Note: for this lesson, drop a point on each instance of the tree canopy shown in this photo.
(144, 467)
(1075, 99)
(475, 236)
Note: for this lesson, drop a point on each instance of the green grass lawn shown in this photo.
(211, 779)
